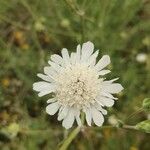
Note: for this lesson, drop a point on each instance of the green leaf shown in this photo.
(144, 126)
(146, 104)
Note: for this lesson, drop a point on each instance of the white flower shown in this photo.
(141, 57)
(77, 86)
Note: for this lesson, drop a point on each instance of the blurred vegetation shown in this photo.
(32, 30)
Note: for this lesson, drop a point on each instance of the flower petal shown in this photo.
(51, 100)
(69, 119)
(51, 109)
(106, 94)
(110, 81)
(65, 56)
(44, 88)
(92, 59)
(87, 50)
(98, 107)
(50, 72)
(107, 101)
(41, 85)
(63, 113)
(113, 88)
(45, 92)
(103, 72)
(78, 54)
(45, 77)
(73, 58)
(57, 59)
(103, 62)
(97, 117)
(77, 116)
(88, 116)
(55, 66)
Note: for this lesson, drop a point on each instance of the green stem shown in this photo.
(128, 127)
(77, 10)
(79, 13)
(72, 135)
(73, 7)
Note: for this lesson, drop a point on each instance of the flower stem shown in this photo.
(127, 127)
(80, 13)
(70, 138)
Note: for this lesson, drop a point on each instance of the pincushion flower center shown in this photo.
(78, 86)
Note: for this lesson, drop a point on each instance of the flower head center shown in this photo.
(77, 85)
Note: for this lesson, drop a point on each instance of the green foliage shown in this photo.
(32, 30)
(144, 126)
(146, 104)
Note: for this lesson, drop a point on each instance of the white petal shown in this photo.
(99, 102)
(97, 117)
(77, 116)
(103, 62)
(78, 54)
(88, 116)
(55, 66)
(45, 92)
(57, 59)
(107, 101)
(92, 59)
(73, 58)
(39, 86)
(103, 72)
(100, 109)
(44, 88)
(51, 109)
(45, 77)
(65, 56)
(113, 88)
(51, 100)
(110, 81)
(50, 72)
(106, 94)
(69, 119)
(63, 113)
(113, 80)
(87, 50)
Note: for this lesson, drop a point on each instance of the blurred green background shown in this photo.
(32, 30)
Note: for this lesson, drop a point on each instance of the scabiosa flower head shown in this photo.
(77, 84)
